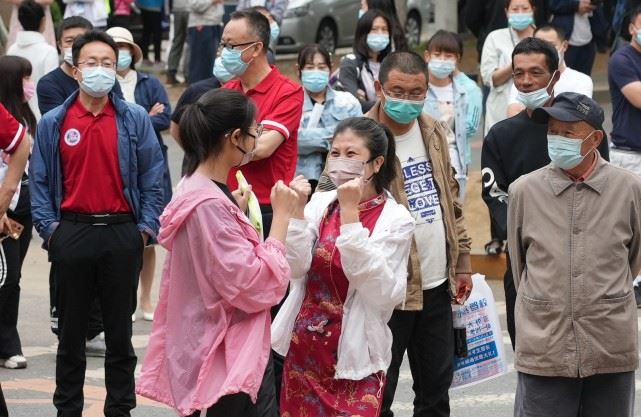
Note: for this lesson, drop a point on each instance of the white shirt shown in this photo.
(497, 52)
(570, 81)
(445, 97)
(424, 205)
(128, 85)
(582, 31)
(43, 58)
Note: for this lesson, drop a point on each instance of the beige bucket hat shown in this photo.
(122, 35)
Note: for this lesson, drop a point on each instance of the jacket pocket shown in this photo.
(540, 333)
(610, 326)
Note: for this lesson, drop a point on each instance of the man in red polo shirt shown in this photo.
(95, 177)
(279, 101)
(14, 141)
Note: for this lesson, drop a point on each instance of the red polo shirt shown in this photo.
(90, 166)
(11, 132)
(280, 105)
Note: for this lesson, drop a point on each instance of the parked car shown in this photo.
(420, 13)
(332, 23)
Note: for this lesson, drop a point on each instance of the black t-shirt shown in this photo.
(192, 94)
(225, 189)
(513, 147)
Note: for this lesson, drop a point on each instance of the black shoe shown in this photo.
(171, 79)
(637, 295)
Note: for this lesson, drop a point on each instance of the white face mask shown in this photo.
(67, 56)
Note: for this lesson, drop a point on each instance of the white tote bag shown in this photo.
(486, 354)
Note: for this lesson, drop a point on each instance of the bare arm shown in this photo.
(14, 173)
(267, 144)
(632, 93)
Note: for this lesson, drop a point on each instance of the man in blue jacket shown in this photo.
(95, 177)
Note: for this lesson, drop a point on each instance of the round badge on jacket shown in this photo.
(72, 137)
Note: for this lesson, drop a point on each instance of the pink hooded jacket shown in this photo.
(211, 330)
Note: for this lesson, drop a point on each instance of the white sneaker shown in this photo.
(133, 318)
(14, 362)
(148, 316)
(96, 347)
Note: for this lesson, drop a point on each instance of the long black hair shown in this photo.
(398, 33)
(205, 123)
(363, 27)
(12, 71)
(379, 141)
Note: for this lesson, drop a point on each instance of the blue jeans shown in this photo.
(203, 39)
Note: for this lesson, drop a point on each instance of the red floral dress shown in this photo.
(309, 388)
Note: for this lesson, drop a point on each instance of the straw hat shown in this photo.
(122, 35)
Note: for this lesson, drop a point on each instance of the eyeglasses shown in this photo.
(228, 45)
(402, 95)
(259, 131)
(93, 64)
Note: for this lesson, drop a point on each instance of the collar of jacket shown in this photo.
(307, 101)
(435, 141)
(559, 180)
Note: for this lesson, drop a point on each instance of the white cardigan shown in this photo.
(376, 268)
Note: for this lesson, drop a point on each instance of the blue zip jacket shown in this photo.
(467, 114)
(141, 167)
(148, 92)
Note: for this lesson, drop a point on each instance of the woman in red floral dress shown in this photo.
(348, 252)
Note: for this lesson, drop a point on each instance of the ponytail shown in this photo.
(205, 123)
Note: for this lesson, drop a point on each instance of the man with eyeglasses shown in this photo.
(278, 99)
(518, 145)
(624, 77)
(439, 266)
(95, 176)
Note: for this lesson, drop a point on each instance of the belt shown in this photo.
(98, 219)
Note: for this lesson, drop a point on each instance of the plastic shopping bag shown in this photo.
(485, 358)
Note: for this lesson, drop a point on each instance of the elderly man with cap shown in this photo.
(574, 235)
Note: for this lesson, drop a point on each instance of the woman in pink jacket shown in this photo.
(210, 342)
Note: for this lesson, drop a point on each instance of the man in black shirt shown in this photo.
(518, 145)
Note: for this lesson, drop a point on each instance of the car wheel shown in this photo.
(327, 36)
(413, 29)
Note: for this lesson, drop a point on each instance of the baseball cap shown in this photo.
(571, 107)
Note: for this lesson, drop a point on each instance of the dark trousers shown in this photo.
(119, 20)
(178, 43)
(510, 299)
(11, 258)
(89, 262)
(610, 395)
(581, 58)
(151, 30)
(4, 412)
(240, 405)
(94, 327)
(203, 43)
(428, 337)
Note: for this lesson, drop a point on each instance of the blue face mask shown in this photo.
(124, 60)
(220, 72)
(232, 60)
(566, 152)
(639, 36)
(520, 21)
(536, 98)
(377, 41)
(402, 111)
(441, 68)
(98, 81)
(274, 32)
(314, 81)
